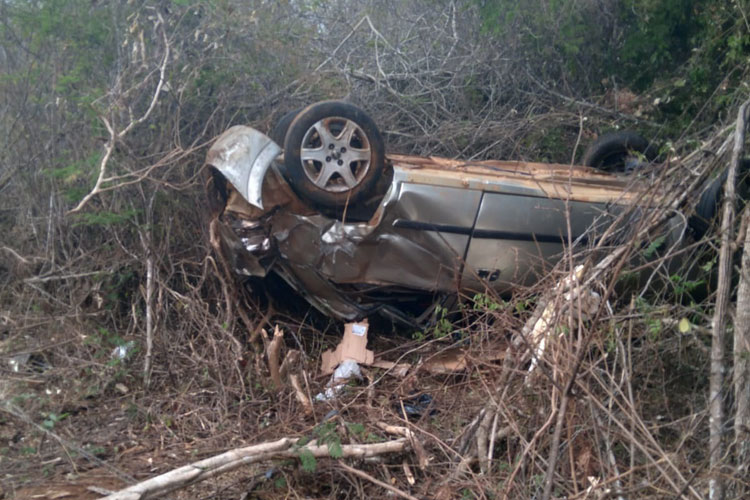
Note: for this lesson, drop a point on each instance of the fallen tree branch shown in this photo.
(232, 459)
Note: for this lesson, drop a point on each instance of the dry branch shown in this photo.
(741, 347)
(368, 477)
(299, 393)
(115, 136)
(231, 460)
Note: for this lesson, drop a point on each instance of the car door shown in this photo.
(437, 222)
(517, 237)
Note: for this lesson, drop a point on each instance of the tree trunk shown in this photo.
(718, 362)
(147, 241)
(742, 340)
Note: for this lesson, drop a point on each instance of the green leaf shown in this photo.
(654, 246)
(303, 441)
(706, 268)
(356, 428)
(684, 325)
(309, 464)
(334, 449)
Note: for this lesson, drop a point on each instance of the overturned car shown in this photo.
(356, 231)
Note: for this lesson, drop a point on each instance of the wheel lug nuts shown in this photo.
(341, 162)
(328, 158)
(343, 150)
(331, 146)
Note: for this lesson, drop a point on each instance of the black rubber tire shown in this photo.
(613, 152)
(707, 207)
(294, 171)
(278, 134)
(709, 204)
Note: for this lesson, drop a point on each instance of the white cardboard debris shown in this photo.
(353, 346)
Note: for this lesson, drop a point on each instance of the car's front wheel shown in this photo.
(333, 154)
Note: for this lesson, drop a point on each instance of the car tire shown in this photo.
(333, 154)
(613, 152)
(708, 206)
(712, 197)
(278, 134)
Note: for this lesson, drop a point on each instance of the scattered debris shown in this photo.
(414, 408)
(353, 346)
(397, 369)
(447, 361)
(19, 361)
(28, 362)
(122, 352)
(347, 370)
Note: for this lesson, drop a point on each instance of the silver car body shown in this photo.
(441, 226)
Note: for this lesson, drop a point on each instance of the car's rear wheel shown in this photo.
(619, 152)
(333, 154)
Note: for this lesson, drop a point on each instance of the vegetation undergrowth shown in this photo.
(106, 112)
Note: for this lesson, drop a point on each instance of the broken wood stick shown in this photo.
(273, 356)
(230, 460)
(299, 393)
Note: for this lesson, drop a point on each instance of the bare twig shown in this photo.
(114, 136)
(380, 483)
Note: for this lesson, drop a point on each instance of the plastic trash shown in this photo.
(346, 370)
(416, 407)
(28, 362)
(122, 352)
